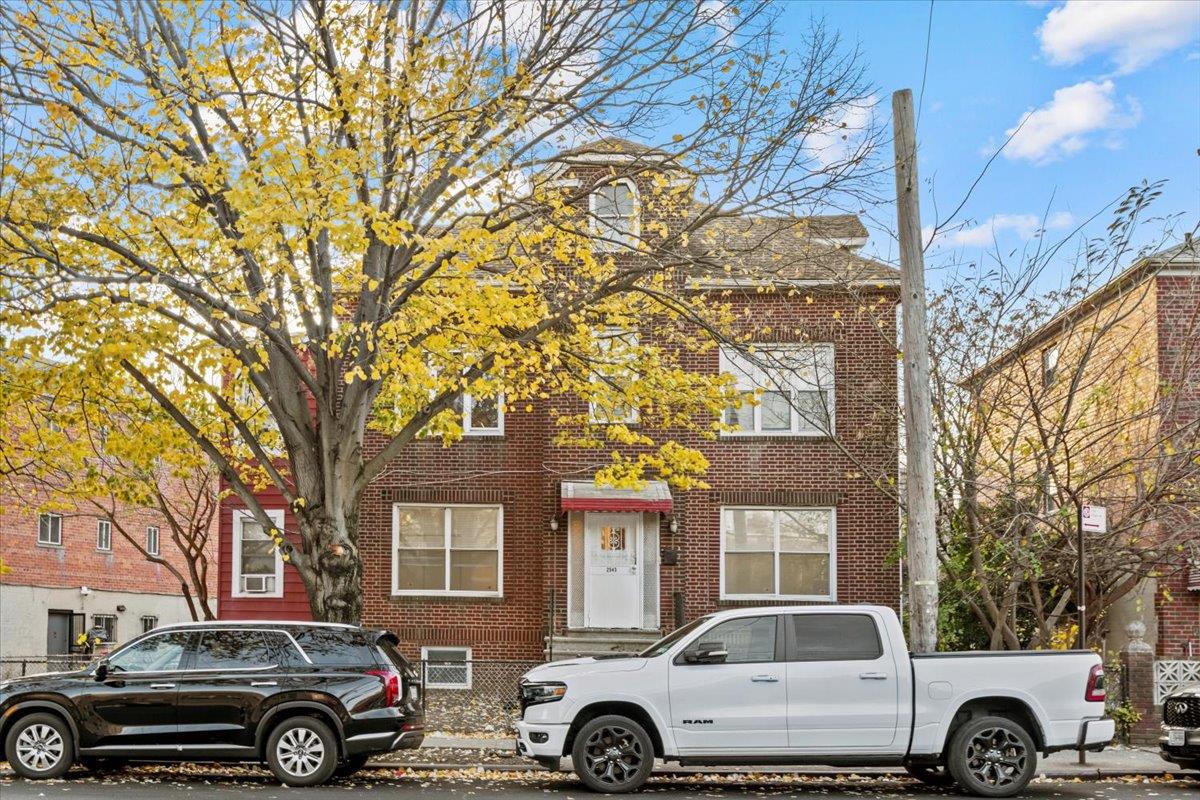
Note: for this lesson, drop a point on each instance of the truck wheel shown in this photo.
(40, 746)
(612, 754)
(302, 751)
(930, 774)
(992, 757)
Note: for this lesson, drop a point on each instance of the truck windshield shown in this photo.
(664, 644)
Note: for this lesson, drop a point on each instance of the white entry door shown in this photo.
(612, 578)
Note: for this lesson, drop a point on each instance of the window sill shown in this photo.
(256, 595)
(757, 600)
(50, 546)
(438, 597)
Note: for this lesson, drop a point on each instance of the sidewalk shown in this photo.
(449, 752)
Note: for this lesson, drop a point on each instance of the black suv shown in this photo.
(311, 700)
(1180, 742)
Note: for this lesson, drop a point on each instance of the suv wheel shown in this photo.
(40, 746)
(992, 757)
(302, 751)
(612, 754)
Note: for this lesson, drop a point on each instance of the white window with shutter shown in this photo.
(787, 389)
(257, 564)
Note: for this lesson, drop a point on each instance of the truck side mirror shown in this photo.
(707, 653)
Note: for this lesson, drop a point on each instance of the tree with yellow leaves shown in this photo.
(288, 223)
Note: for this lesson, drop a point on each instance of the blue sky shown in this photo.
(1114, 87)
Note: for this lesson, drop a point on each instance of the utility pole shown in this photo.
(918, 411)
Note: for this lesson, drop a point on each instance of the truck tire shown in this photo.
(302, 751)
(612, 754)
(992, 757)
(40, 746)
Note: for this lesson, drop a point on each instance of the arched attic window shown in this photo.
(614, 208)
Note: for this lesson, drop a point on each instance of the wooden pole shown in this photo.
(918, 414)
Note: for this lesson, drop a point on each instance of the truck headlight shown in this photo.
(534, 693)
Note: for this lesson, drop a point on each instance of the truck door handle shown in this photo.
(765, 679)
(873, 676)
(264, 683)
(162, 686)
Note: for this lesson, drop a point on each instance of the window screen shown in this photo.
(834, 637)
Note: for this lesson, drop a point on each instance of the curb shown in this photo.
(1099, 774)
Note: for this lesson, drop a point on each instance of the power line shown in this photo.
(925, 70)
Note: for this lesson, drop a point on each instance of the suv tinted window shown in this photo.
(161, 653)
(335, 646)
(747, 640)
(834, 637)
(232, 649)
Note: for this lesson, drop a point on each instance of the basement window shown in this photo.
(447, 667)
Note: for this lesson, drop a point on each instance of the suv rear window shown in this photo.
(327, 647)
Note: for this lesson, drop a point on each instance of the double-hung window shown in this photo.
(613, 370)
(786, 389)
(481, 416)
(152, 540)
(105, 625)
(257, 564)
(50, 530)
(615, 210)
(447, 550)
(104, 535)
(778, 553)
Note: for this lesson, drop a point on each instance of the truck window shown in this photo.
(747, 640)
(834, 637)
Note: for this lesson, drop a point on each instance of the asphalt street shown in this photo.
(193, 782)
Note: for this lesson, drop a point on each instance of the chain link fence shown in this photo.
(476, 697)
(20, 666)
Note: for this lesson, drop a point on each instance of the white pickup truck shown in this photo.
(812, 685)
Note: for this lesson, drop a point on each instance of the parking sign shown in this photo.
(1094, 519)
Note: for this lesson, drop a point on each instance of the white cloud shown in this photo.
(1024, 226)
(833, 143)
(1064, 125)
(1132, 33)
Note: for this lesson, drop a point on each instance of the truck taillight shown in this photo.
(391, 685)
(1096, 690)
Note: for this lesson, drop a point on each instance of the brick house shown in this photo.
(1142, 333)
(549, 563)
(70, 571)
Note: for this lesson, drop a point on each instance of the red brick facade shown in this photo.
(523, 469)
(1177, 607)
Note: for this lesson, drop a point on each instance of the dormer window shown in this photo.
(615, 210)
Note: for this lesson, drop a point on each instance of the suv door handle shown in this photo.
(264, 683)
(873, 676)
(162, 686)
(764, 679)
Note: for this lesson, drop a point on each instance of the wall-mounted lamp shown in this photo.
(554, 523)
(121, 609)
(85, 591)
(674, 525)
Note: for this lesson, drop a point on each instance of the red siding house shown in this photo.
(503, 545)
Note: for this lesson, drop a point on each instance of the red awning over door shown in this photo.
(587, 496)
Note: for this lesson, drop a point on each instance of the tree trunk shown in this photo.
(333, 572)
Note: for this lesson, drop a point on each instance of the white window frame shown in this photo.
(632, 417)
(446, 533)
(606, 237)
(1050, 355)
(153, 535)
(832, 594)
(468, 426)
(235, 587)
(149, 617)
(729, 355)
(458, 686)
(103, 536)
(56, 541)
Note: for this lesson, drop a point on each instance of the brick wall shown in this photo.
(77, 562)
(1178, 609)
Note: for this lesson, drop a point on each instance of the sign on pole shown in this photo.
(1094, 519)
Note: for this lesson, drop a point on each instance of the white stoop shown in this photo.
(577, 644)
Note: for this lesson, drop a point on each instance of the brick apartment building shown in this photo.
(70, 571)
(548, 560)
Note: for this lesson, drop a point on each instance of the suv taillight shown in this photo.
(391, 685)
(1096, 690)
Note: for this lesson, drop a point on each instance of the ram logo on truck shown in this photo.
(697, 722)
